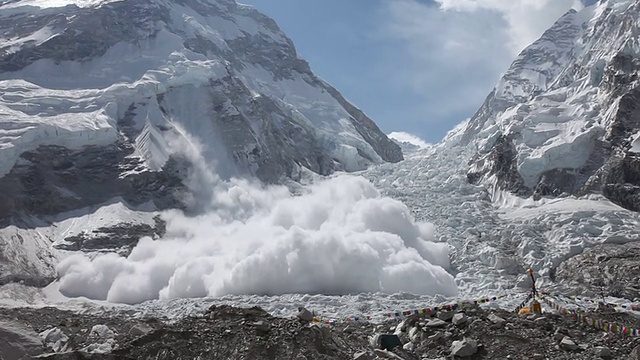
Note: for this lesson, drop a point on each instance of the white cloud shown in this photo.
(340, 236)
(409, 138)
(454, 51)
(526, 19)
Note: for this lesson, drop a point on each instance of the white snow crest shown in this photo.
(405, 137)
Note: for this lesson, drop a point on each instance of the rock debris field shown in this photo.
(225, 332)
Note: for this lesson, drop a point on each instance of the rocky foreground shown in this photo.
(225, 332)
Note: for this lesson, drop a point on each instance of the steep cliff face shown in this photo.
(564, 118)
(114, 93)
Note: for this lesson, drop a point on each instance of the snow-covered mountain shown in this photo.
(100, 99)
(564, 119)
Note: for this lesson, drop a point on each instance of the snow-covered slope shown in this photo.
(564, 117)
(111, 111)
(156, 79)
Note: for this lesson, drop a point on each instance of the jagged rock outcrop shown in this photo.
(607, 269)
(564, 119)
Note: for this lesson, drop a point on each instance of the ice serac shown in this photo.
(137, 83)
(565, 118)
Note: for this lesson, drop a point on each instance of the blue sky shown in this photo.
(417, 66)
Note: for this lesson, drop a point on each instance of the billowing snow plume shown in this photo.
(340, 236)
(405, 137)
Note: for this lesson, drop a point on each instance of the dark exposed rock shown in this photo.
(225, 332)
(54, 179)
(121, 238)
(501, 161)
(612, 269)
(102, 27)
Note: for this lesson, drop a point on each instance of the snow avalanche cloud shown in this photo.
(340, 236)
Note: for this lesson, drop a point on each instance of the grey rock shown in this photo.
(363, 355)
(459, 319)
(567, 344)
(374, 341)
(465, 347)
(384, 354)
(140, 330)
(603, 352)
(415, 334)
(261, 325)
(55, 339)
(409, 346)
(436, 323)
(401, 327)
(445, 315)
(540, 320)
(575, 334)
(17, 341)
(635, 353)
(559, 334)
(497, 320)
(304, 314)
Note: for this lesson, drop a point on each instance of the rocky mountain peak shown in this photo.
(148, 80)
(562, 119)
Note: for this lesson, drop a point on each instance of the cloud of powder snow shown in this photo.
(340, 236)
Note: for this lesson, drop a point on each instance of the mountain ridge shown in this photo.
(164, 77)
(561, 120)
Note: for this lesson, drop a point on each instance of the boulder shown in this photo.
(384, 354)
(559, 334)
(55, 339)
(436, 323)
(261, 326)
(445, 315)
(415, 334)
(464, 347)
(102, 332)
(140, 330)
(402, 327)
(567, 344)
(496, 319)
(603, 352)
(459, 319)
(409, 346)
(304, 315)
